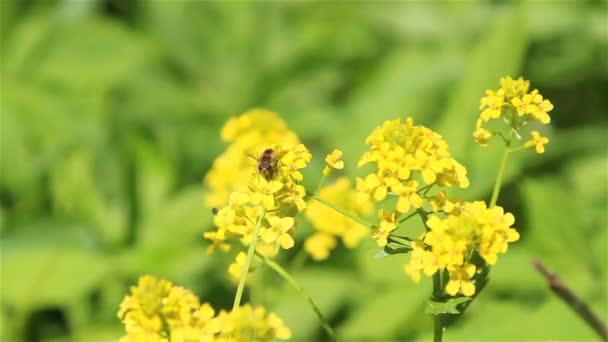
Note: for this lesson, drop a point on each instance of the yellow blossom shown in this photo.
(538, 142)
(387, 225)
(270, 193)
(247, 134)
(235, 269)
(319, 245)
(515, 105)
(447, 245)
(460, 280)
(491, 105)
(421, 260)
(278, 231)
(482, 135)
(334, 161)
(157, 310)
(403, 154)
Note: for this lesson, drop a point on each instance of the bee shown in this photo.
(267, 163)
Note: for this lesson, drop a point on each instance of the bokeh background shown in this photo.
(110, 117)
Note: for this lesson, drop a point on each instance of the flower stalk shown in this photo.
(250, 252)
(294, 283)
(501, 170)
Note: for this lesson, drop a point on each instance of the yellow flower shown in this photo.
(387, 225)
(460, 280)
(482, 135)
(158, 311)
(421, 260)
(403, 153)
(278, 231)
(408, 196)
(244, 322)
(248, 135)
(278, 193)
(235, 269)
(447, 245)
(491, 105)
(538, 142)
(524, 107)
(319, 245)
(513, 88)
(263, 191)
(372, 187)
(334, 161)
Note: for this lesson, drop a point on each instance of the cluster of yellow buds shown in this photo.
(330, 224)
(405, 157)
(469, 228)
(273, 197)
(156, 310)
(247, 134)
(517, 106)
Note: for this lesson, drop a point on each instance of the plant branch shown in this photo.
(250, 252)
(294, 283)
(343, 212)
(574, 302)
(501, 170)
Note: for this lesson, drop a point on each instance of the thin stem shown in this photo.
(250, 252)
(320, 185)
(574, 302)
(294, 283)
(501, 170)
(408, 217)
(343, 212)
(437, 289)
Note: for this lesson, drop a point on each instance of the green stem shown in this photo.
(343, 212)
(294, 283)
(320, 185)
(501, 170)
(437, 289)
(250, 252)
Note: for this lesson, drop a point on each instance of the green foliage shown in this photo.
(110, 117)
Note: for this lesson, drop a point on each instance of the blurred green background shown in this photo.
(110, 117)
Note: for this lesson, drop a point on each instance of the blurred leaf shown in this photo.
(383, 313)
(448, 307)
(35, 277)
(495, 320)
(77, 194)
(500, 53)
(328, 288)
(108, 56)
(181, 220)
(154, 176)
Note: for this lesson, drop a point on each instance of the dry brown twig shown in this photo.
(574, 302)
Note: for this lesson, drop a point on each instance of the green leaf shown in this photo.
(383, 313)
(448, 307)
(37, 276)
(180, 221)
(499, 53)
(388, 250)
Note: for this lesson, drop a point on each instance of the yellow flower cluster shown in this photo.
(247, 134)
(274, 195)
(449, 244)
(517, 106)
(156, 310)
(406, 155)
(330, 225)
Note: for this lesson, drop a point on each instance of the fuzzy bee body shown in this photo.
(267, 163)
